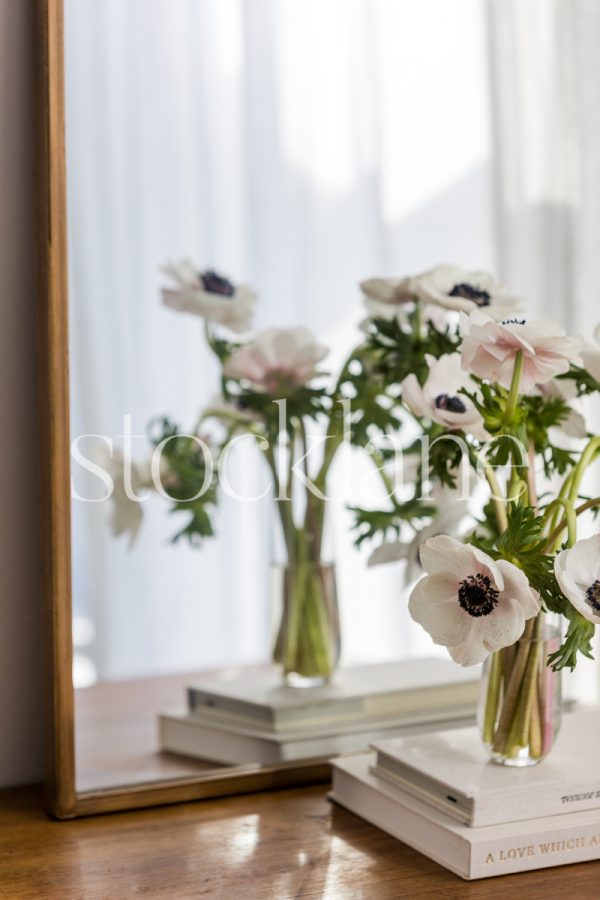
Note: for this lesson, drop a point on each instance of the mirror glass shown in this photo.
(294, 147)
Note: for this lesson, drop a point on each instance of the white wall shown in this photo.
(20, 594)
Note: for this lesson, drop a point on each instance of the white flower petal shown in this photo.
(503, 626)
(188, 295)
(412, 394)
(470, 652)
(392, 292)
(577, 569)
(446, 554)
(433, 603)
(517, 587)
(443, 384)
(452, 563)
(386, 553)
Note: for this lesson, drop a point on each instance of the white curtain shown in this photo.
(546, 80)
(546, 102)
(299, 145)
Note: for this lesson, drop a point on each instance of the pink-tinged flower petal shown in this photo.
(489, 349)
(246, 363)
(277, 358)
(433, 604)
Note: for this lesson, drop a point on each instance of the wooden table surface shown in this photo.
(273, 846)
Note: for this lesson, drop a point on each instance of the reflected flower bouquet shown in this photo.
(274, 396)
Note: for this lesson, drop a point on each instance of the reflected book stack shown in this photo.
(440, 794)
(253, 718)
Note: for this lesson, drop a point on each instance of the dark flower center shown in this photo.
(592, 595)
(453, 404)
(514, 321)
(214, 283)
(477, 596)
(468, 292)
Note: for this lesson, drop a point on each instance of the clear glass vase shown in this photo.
(520, 700)
(307, 643)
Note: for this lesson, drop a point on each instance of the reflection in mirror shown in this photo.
(288, 153)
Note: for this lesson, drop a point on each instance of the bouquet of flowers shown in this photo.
(483, 396)
(492, 395)
(275, 393)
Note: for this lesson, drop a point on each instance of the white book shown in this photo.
(452, 772)
(205, 738)
(405, 687)
(469, 852)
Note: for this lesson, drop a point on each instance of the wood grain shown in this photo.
(52, 268)
(273, 846)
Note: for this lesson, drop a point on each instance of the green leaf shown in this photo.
(375, 523)
(186, 476)
(578, 639)
(398, 351)
(584, 381)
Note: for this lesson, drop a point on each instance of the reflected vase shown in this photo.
(307, 642)
(519, 710)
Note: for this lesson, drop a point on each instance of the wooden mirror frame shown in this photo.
(63, 800)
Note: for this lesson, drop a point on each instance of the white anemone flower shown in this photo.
(577, 571)
(444, 287)
(457, 289)
(439, 399)
(277, 359)
(208, 295)
(468, 602)
(395, 298)
(489, 349)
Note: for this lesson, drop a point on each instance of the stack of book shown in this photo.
(253, 718)
(439, 794)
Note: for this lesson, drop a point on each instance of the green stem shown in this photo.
(570, 520)
(554, 535)
(498, 502)
(512, 692)
(587, 457)
(492, 698)
(379, 463)
(513, 393)
(305, 644)
(528, 696)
